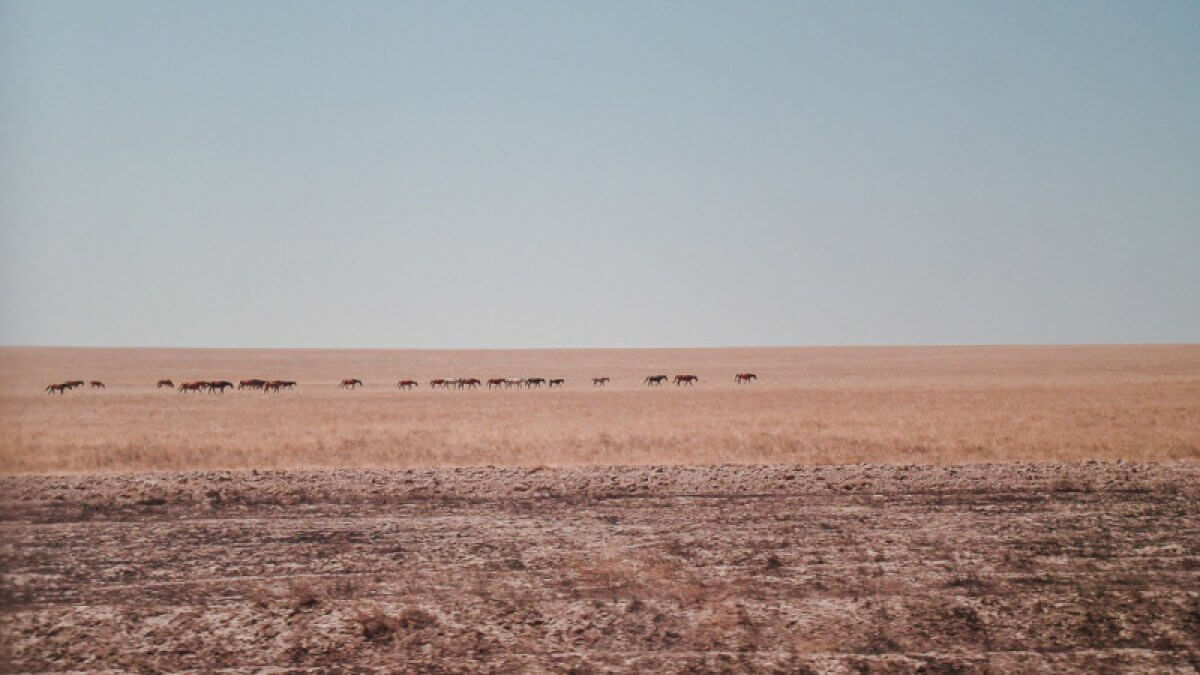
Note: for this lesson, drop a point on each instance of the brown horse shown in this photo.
(655, 380)
(534, 382)
(350, 384)
(166, 383)
(73, 383)
(276, 385)
(406, 384)
(686, 379)
(469, 383)
(219, 386)
(599, 381)
(57, 388)
(440, 382)
(251, 384)
(556, 383)
(495, 382)
(96, 384)
(744, 378)
(192, 387)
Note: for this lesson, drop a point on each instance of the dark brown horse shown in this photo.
(57, 388)
(73, 383)
(689, 380)
(534, 382)
(192, 387)
(219, 386)
(440, 382)
(251, 384)
(558, 382)
(655, 380)
(350, 384)
(406, 384)
(276, 385)
(166, 383)
(495, 382)
(599, 381)
(469, 383)
(96, 384)
(744, 378)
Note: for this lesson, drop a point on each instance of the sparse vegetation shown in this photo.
(935, 405)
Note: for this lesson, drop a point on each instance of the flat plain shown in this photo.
(941, 509)
(821, 405)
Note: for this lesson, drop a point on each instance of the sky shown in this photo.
(598, 174)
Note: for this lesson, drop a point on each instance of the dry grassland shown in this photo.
(925, 405)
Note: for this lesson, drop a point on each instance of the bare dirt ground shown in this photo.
(1015, 567)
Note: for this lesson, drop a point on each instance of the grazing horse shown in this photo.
(535, 382)
(744, 377)
(73, 383)
(599, 381)
(655, 380)
(469, 383)
(556, 383)
(219, 386)
(406, 384)
(350, 384)
(495, 382)
(96, 384)
(251, 384)
(686, 379)
(192, 387)
(166, 383)
(59, 388)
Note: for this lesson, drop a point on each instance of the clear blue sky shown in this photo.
(529, 174)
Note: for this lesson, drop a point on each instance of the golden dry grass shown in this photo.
(813, 405)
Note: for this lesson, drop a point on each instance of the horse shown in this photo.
(192, 387)
(686, 379)
(556, 383)
(219, 386)
(166, 383)
(535, 382)
(469, 383)
(655, 380)
(350, 384)
(514, 382)
(251, 384)
(434, 384)
(73, 383)
(96, 384)
(59, 388)
(495, 382)
(599, 381)
(276, 385)
(406, 384)
(744, 377)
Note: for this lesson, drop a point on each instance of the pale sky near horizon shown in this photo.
(570, 174)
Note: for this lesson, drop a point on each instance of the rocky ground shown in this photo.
(1047, 567)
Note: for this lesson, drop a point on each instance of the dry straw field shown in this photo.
(926, 405)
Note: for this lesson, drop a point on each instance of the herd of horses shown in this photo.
(219, 386)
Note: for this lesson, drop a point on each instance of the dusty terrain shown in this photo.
(1055, 567)
(811, 405)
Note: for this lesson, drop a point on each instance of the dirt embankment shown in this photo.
(1011, 567)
